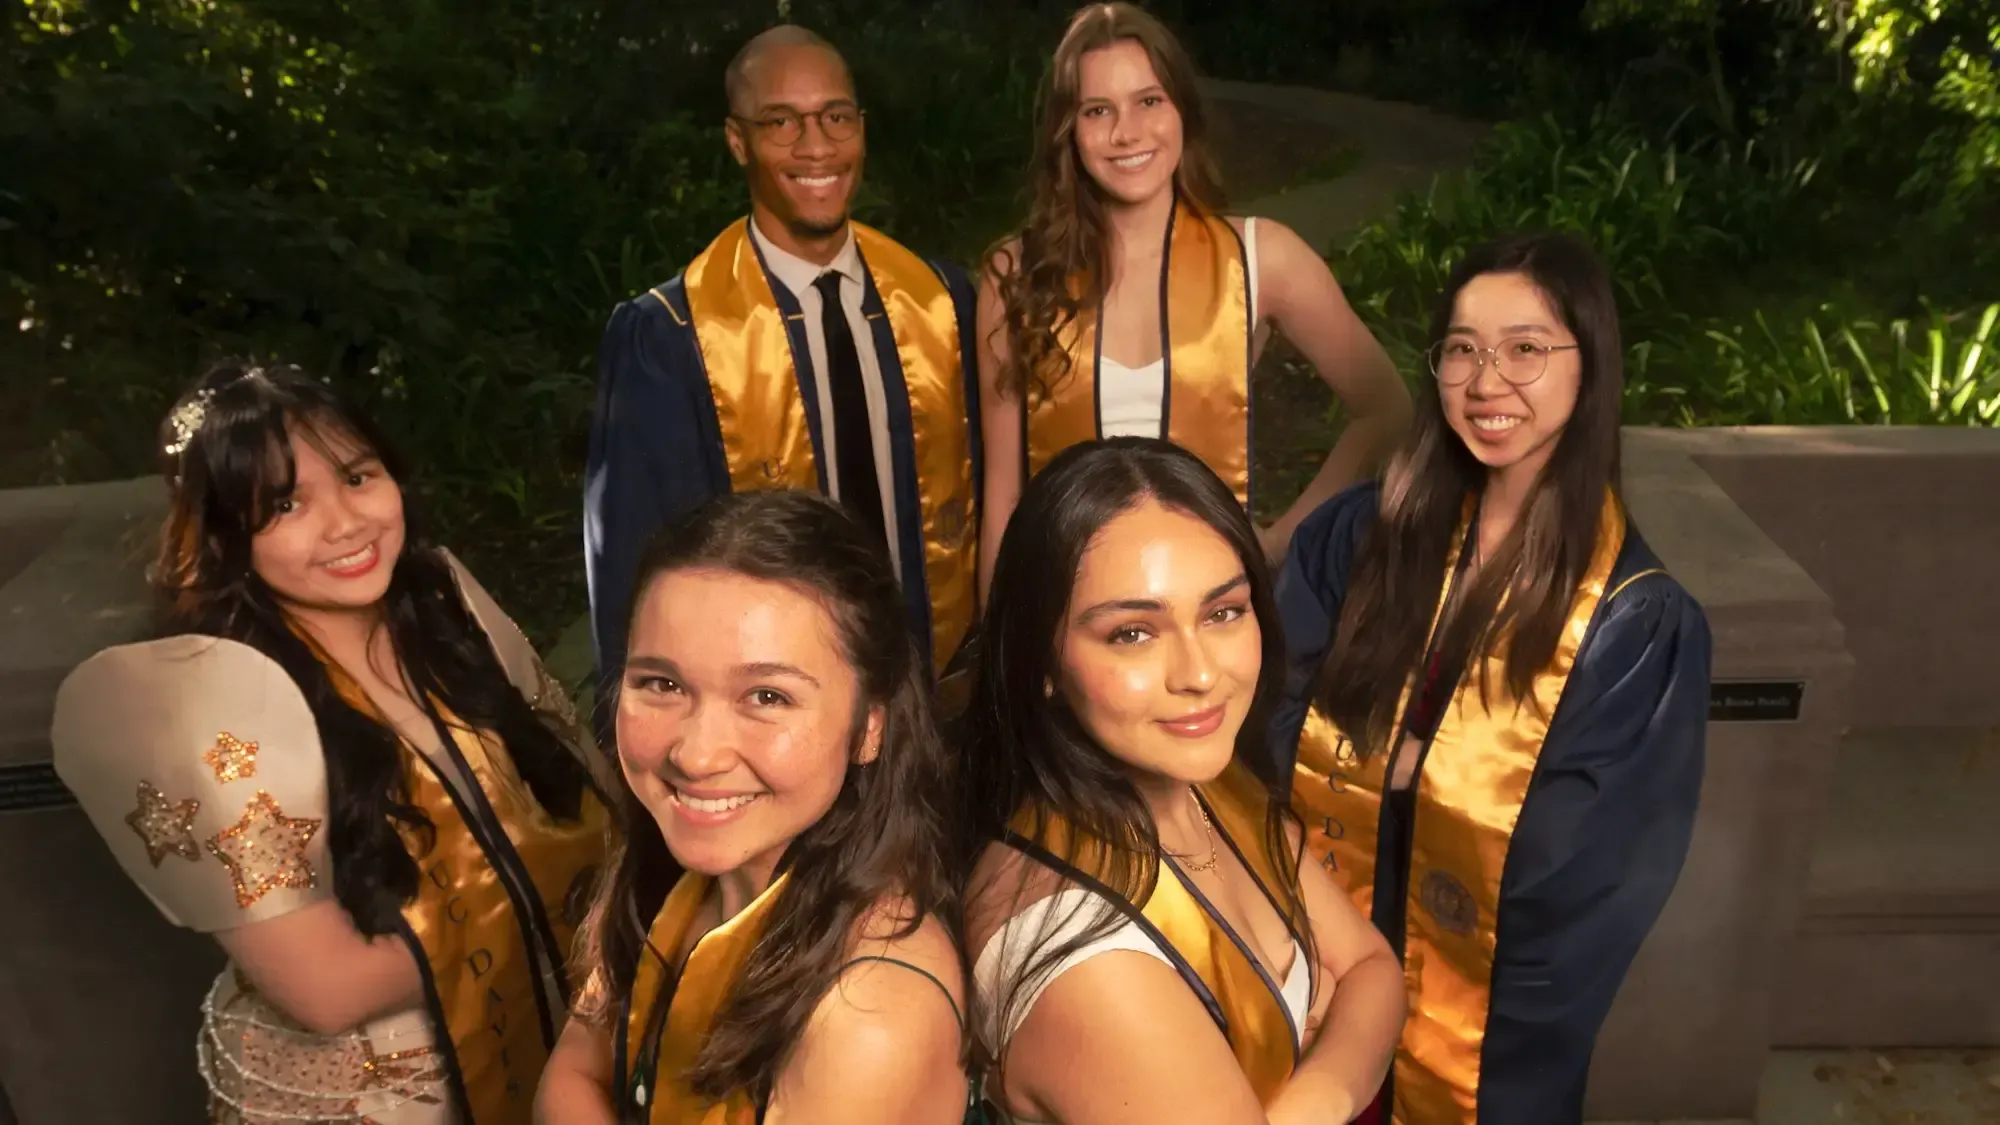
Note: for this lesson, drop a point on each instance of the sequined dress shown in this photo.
(200, 764)
(261, 1066)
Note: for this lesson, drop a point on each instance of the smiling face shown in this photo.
(801, 179)
(332, 543)
(1128, 131)
(1504, 425)
(738, 716)
(1160, 649)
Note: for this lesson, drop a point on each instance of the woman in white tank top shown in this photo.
(1135, 897)
(1129, 304)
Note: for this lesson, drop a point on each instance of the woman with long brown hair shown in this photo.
(1129, 304)
(345, 762)
(1498, 696)
(777, 939)
(1147, 944)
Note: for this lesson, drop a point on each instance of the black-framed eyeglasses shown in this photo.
(786, 126)
(1519, 360)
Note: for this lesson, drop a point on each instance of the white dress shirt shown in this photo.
(797, 275)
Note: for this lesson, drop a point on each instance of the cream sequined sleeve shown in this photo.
(200, 765)
(525, 669)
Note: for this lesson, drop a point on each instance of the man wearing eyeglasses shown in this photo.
(799, 350)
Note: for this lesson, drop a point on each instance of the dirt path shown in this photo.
(1324, 164)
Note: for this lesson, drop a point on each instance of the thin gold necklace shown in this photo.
(1214, 857)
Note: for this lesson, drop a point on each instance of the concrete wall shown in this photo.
(1844, 885)
(1843, 888)
(99, 996)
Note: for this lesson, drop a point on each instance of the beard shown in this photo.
(817, 228)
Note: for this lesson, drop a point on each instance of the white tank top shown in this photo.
(1128, 398)
(1019, 943)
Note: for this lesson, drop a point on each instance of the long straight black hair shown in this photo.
(1522, 594)
(883, 838)
(1029, 750)
(229, 468)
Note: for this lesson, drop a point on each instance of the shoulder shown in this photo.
(199, 762)
(648, 321)
(1334, 530)
(1276, 242)
(888, 1031)
(1003, 260)
(1645, 605)
(510, 645)
(891, 932)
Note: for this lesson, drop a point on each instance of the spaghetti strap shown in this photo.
(926, 974)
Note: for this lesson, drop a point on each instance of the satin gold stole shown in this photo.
(1205, 316)
(706, 981)
(766, 440)
(483, 980)
(1258, 1026)
(1474, 778)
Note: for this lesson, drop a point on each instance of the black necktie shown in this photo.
(853, 439)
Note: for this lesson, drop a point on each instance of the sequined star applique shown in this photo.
(266, 850)
(165, 827)
(231, 758)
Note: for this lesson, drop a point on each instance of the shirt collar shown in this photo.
(797, 274)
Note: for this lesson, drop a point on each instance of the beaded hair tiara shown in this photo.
(187, 418)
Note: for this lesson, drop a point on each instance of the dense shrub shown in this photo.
(435, 203)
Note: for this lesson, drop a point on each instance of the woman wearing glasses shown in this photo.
(1129, 304)
(1498, 697)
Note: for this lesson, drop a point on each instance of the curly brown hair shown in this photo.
(1055, 263)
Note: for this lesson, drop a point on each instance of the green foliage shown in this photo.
(435, 202)
(1691, 236)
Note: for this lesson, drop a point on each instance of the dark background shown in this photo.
(437, 202)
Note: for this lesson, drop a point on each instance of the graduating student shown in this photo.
(1498, 698)
(1130, 303)
(777, 941)
(1148, 945)
(799, 350)
(345, 762)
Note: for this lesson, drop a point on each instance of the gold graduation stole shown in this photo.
(1246, 1002)
(1472, 782)
(1205, 316)
(766, 440)
(483, 983)
(657, 1049)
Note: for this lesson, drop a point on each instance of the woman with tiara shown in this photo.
(777, 941)
(1129, 303)
(1147, 944)
(344, 761)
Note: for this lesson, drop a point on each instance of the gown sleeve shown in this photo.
(649, 461)
(1311, 587)
(1600, 843)
(525, 670)
(200, 765)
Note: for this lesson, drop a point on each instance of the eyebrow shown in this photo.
(357, 461)
(1154, 605)
(665, 667)
(787, 107)
(1460, 329)
(1156, 88)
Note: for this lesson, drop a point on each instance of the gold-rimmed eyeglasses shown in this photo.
(786, 126)
(1520, 360)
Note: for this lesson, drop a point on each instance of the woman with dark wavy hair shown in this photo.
(777, 940)
(1147, 944)
(345, 762)
(1129, 303)
(1498, 697)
